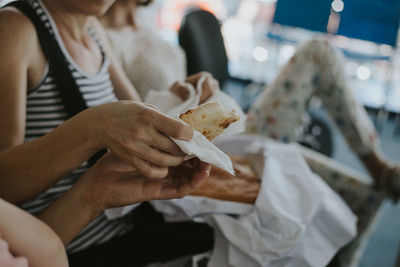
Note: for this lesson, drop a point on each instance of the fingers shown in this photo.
(202, 173)
(210, 85)
(193, 79)
(165, 144)
(148, 170)
(173, 127)
(155, 156)
(204, 166)
(111, 161)
(183, 185)
(180, 89)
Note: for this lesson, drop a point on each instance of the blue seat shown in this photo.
(311, 14)
(371, 20)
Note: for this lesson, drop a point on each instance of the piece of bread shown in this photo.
(210, 119)
(243, 168)
(242, 187)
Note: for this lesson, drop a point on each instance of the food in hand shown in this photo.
(210, 119)
(242, 187)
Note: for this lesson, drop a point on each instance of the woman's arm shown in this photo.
(40, 163)
(113, 183)
(135, 132)
(30, 238)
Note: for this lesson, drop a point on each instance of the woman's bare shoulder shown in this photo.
(16, 30)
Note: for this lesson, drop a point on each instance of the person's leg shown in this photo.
(317, 70)
(354, 188)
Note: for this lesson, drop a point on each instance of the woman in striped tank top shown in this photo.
(43, 152)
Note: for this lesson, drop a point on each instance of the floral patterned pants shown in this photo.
(316, 69)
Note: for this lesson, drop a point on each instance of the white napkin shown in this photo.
(297, 219)
(199, 146)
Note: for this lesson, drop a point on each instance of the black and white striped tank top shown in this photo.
(45, 111)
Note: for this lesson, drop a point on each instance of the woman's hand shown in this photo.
(139, 135)
(7, 259)
(113, 183)
(210, 86)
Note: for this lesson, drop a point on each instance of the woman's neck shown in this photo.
(68, 23)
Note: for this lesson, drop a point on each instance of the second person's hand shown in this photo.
(209, 86)
(113, 183)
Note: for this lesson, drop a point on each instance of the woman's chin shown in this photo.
(93, 7)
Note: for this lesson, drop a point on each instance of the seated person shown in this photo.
(136, 43)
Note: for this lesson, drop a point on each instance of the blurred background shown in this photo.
(259, 36)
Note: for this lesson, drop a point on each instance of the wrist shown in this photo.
(70, 205)
(92, 127)
(84, 200)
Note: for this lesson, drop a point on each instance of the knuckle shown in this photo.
(129, 150)
(179, 160)
(138, 133)
(163, 160)
(180, 131)
(145, 115)
(151, 172)
(173, 148)
(122, 142)
(146, 118)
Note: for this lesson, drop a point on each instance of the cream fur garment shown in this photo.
(149, 61)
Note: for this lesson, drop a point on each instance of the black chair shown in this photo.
(201, 39)
(200, 36)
